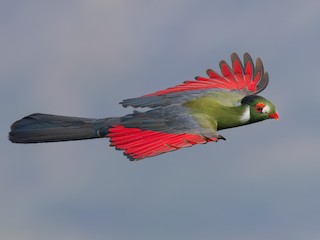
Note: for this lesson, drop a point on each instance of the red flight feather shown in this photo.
(138, 143)
(237, 78)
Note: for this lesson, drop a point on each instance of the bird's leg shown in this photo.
(221, 137)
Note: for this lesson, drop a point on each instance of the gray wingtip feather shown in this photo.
(247, 58)
(263, 83)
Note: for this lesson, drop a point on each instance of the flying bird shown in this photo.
(182, 116)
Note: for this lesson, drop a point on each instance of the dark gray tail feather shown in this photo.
(40, 127)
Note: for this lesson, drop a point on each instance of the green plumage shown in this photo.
(221, 110)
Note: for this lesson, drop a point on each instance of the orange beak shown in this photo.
(274, 115)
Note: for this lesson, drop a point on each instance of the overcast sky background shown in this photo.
(81, 58)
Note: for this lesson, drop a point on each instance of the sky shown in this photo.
(81, 58)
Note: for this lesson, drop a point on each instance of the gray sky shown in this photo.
(81, 58)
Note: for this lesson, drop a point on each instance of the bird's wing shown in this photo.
(138, 143)
(245, 79)
(147, 134)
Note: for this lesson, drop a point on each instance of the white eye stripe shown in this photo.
(266, 109)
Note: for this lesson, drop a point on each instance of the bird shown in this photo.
(182, 116)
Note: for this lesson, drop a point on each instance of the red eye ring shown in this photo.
(260, 106)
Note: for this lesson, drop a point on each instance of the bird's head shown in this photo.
(260, 108)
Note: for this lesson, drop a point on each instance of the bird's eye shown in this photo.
(260, 106)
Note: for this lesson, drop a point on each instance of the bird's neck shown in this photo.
(233, 116)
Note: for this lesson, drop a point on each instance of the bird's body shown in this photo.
(187, 114)
(219, 110)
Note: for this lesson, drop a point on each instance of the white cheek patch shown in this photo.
(245, 116)
(266, 109)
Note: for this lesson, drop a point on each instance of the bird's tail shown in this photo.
(40, 127)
